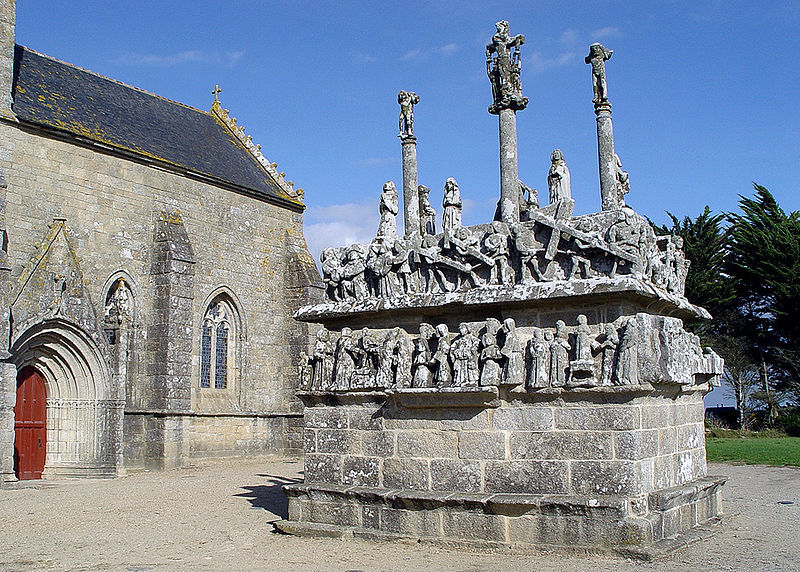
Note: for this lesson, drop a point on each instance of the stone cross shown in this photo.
(503, 66)
(216, 91)
(610, 197)
(407, 100)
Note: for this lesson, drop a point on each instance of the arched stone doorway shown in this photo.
(30, 425)
(84, 403)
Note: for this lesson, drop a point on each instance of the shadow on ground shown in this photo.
(269, 496)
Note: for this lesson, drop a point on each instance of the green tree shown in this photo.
(764, 262)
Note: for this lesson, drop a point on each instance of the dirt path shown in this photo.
(216, 516)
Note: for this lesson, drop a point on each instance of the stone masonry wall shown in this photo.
(111, 208)
(543, 448)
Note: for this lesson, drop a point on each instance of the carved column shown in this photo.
(509, 170)
(410, 191)
(609, 195)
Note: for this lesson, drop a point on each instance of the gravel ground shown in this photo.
(217, 515)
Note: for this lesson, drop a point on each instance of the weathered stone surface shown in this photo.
(455, 475)
(411, 522)
(322, 468)
(406, 474)
(364, 418)
(337, 441)
(561, 445)
(378, 443)
(467, 525)
(333, 513)
(361, 471)
(481, 445)
(635, 445)
(523, 418)
(427, 444)
(325, 418)
(528, 476)
(610, 478)
(609, 418)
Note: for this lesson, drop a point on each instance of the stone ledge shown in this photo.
(446, 397)
(659, 301)
(333, 398)
(681, 495)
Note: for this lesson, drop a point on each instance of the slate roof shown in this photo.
(57, 95)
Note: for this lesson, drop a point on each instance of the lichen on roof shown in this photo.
(56, 95)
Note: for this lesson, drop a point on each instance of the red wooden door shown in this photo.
(30, 430)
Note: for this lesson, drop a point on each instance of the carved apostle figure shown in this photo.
(598, 56)
(345, 360)
(627, 372)
(503, 69)
(427, 216)
(386, 362)
(322, 360)
(539, 353)
(423, 363)
(464, 352)
(607, 343)
(405, 281)
(379, 263)
(331, 259)
(443, 377)
(558, 178)
(407, 101)
(583, 342)
(559, 356)
(514, 365)
(490, 356)
(402, 358)
(451, 204)
(389, 207)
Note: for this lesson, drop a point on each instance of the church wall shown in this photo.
(253, 250)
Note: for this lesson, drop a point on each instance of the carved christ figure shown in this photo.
(407, 100)
(598, 56)
(558, 178)
(503, 68)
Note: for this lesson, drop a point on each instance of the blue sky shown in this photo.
(705, 94)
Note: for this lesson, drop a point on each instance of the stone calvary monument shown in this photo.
(527, 381)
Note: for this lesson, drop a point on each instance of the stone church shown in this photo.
(150, 264)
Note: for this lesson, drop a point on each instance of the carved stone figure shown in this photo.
(582, 367)
(559, 356)
(423, 363)
(322, 360)
(514, 366)
(529, 249)
(379, 262)
(496, 245)
(503, 68)
(490, 356)
(451, 204)
(304, 371)
(345, 360)
(354, 283)
(464, 352)
(389, 207)
(443, 377)
(407, 101)
(627, 372)
(405, 280)
(598, 56)
(427, 216)
(387, 362)
(558, 181)
(539, 352)
(623, 180)
(606, 344)
(331, 259)
(119, 306)
(402, 358)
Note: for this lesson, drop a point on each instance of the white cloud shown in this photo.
(537, 62)
(569, 36)
(180, 58)
(411, 55)
(449, 49)
(340, 225)
(607, 32)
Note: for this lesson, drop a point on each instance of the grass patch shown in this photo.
(751, 450)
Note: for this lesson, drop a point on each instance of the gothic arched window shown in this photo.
(217, 345)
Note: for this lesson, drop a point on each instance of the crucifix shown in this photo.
(217, 90)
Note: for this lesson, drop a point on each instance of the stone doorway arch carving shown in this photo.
(85, 403)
